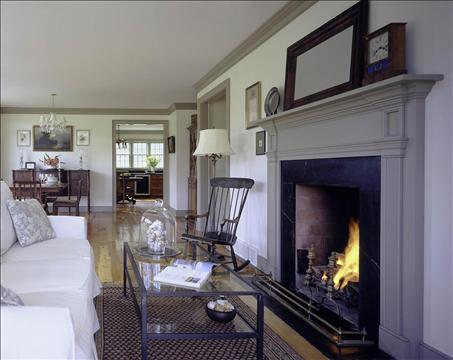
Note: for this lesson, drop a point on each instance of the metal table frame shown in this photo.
(142, 312)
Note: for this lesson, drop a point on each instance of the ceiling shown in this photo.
(117, 54)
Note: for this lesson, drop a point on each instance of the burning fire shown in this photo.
(349, 264)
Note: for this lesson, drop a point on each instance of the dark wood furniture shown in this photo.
(226, 203)
(192, 179)
(70, 203)
(157, 185)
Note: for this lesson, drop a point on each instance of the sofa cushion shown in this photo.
(47, 275)
(8, 236)
(30, 221)
(9, 297)
(53, 249)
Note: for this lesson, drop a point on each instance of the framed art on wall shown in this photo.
(171, 145)
(261, 143)
(252, 105)
(23, 137)
(59, 141)
(329, 60)
(82, 137)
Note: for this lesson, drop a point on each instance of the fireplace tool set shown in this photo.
(321, 289)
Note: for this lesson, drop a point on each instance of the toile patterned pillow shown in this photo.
(10, 298)
(30, 221)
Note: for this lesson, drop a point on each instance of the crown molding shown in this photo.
(278, 21)
(99, 111)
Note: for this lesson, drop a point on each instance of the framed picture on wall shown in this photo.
(261, 143)
(30, 165)
(171, 145)
(252, 105)
(82, 137)
(60, 141)
(23, 137)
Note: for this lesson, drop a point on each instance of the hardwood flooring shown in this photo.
(108, 231)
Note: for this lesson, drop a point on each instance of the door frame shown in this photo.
(220, 91)
(166, 157)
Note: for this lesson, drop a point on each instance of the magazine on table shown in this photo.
(186, 273)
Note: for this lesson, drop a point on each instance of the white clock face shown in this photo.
(378, 48)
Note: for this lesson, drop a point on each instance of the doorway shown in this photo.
(213, 112)
(138, 144)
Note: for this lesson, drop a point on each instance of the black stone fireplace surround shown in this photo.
(363, 174)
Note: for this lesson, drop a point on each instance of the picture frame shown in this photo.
(30, 165)
(329, 60)
(171, 144)
(83, 137)
(23, 138)
(62, 141)
(252, 105)
(260, 142)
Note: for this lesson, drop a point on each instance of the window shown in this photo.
(135, 153)
(140, 151)
(157, 150)
(122, 156)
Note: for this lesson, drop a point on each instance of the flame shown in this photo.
(349, 264)
(324, 277)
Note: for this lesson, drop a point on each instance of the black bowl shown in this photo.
(221, 316)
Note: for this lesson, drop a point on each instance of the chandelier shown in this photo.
(50, 124)
(120, 142)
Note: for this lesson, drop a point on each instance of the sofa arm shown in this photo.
(69, 226)
(35, 332)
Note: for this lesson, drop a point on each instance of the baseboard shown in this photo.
(177, 213)
(429, 353)
(246, 251)
(97, 209)
(264, 265)
(394, 344)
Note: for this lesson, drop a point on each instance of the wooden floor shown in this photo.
(108, 231)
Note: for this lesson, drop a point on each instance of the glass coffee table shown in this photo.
(187, 319)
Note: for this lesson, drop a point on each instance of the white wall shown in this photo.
(179, 121)
(98, 154)
(429, 50)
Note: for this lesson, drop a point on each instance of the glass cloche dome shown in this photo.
(157, 233)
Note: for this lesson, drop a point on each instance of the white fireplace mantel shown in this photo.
(385, 119)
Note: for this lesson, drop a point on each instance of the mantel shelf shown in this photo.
(362, 92)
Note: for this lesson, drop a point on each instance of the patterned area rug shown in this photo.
(119, 337)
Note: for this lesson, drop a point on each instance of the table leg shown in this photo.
(144, 327)
(124, 270)
(260, 327)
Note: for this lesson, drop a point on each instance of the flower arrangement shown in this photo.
(51, 161)
(151, 162)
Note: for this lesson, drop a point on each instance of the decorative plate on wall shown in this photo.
(272, 102)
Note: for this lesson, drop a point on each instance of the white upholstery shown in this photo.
(36, 333)
(69, 226)
(57, 273)
(54, 249)
(8, 236)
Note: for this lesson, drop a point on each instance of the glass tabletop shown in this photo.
(143, 269)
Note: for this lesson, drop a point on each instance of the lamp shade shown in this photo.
(213, 141)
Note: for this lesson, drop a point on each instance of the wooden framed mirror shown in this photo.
(329, 60)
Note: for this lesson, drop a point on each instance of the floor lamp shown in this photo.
(214, 144)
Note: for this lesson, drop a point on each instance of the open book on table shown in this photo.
(186, 273)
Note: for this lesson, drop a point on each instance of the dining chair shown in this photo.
(69, 203)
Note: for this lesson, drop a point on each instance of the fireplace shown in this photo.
(382, 124)
(326, 205)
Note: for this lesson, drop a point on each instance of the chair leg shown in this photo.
(235, 263)
(77, 210)
(55, 210)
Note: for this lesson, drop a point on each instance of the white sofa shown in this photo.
(57, 283)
